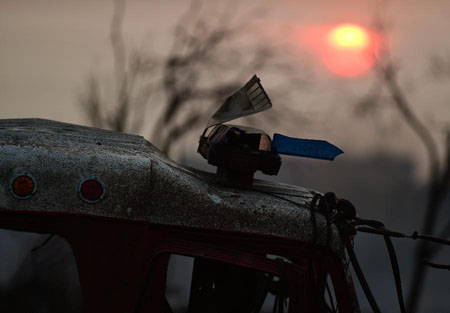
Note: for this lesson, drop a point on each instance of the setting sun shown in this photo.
(349, 36)
(346, 49)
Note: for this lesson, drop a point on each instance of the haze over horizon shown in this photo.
(48, 50)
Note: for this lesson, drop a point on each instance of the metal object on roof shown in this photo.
(248, 100)
(238, 151)
(140, 183)
(317, 149)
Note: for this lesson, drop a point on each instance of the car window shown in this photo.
(38, 274)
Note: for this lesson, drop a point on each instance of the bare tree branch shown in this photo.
(117, 42)
(404, 107)
(179, 130)
(211, 56)
(438, 173)
(444, 186)
(91, 103)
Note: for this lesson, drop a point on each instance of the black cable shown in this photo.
(282, 194)
(383, 232)
(264, 288)
(375, 227)
(361, 278)
(346, 267)
(275, 304)
(322, 277)
(371, 223)
(396, 272)
(278, 304)
(415, 235)
(276, 195)
(312, 209)
(393, 258)
(331, 298)
(43, 244)
(282, 286)
(323, 203)
(442, 241)
(439, 266)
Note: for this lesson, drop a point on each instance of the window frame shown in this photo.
(296, 276)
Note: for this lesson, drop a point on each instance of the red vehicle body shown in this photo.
(149, 208)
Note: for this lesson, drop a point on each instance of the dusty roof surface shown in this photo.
(141, 183)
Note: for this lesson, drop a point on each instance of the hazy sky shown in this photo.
(49, 47)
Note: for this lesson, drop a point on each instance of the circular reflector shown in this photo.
(23, 186)
(91, 190)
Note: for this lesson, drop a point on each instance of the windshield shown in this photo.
(217, 287)
(217, 281)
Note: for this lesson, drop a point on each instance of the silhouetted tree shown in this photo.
(211, 56)
(386, 70)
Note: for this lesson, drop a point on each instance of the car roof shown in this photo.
(143, 184)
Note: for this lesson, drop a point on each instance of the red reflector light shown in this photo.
(91, 190)
(23, 186)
